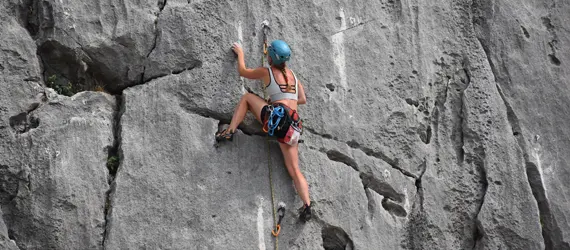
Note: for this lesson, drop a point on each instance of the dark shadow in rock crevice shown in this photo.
(71, 70)
(394, 163)
(337, 156)
(335, 238)
(525, 32)
(36, 16)
(23, 122)
(381, 187)
(394, 208)
(551, 232)
(554, 60)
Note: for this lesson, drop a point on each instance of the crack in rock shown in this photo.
(355, 26)
(368, 151)
(462, 110)
(479, 232)
(418, 230)
(370, 182)
(323, 135)
(418, 184)
(551, 232)
(381, 187)
(189, 104)
(194, 64)
(379, 155)
(337, 156)
(161, 4)
(113, 164)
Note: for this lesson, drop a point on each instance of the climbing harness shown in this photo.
(286, 121)
(277, 223)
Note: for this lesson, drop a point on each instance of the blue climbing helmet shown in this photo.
(279, 52)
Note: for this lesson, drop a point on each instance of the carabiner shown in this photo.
(275, 234)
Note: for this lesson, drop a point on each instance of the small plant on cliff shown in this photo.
(62, 89)
(51, 81)
(113, 164)
(99, 88)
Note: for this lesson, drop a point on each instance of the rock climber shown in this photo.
(279, 116)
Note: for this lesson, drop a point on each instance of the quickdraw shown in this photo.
(281, 212)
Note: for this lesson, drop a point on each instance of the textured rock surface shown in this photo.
(186, 192)
(5, 241)
(55, 176)
(430, 125)
(53, 180)
(529, 56)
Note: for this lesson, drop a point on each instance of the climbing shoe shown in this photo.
(305, 214)
(225, 135)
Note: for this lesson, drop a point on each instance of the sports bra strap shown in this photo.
(272, 78)
(296, 87)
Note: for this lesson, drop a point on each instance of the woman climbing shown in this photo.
(279, 117)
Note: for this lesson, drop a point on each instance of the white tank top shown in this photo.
(276, 91)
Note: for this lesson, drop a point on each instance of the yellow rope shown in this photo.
(276, 227)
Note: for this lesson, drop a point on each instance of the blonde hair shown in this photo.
(284, 72)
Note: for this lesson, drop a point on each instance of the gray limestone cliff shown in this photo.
(429, 125)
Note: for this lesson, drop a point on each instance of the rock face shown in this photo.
(528, 64)
(56, 174)
(5, 242)
(53, 179)
(429, 125)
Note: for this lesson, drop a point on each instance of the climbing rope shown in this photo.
(277, 223)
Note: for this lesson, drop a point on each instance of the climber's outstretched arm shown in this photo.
(256, 73)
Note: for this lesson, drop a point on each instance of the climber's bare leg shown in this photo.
(247, 102)
(291, 156)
